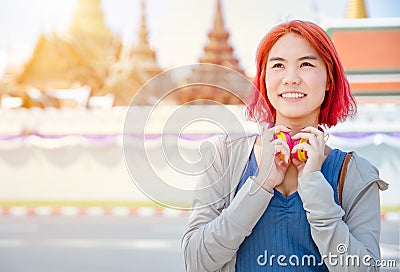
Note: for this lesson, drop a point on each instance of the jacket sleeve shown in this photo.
(351, 244)
(215, 232)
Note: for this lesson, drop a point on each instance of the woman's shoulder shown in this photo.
(361, 172)
(229, 148)
(361, 175)
(235, 141)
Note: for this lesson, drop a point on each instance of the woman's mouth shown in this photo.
(293, 95)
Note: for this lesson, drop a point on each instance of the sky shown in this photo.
(177, 28)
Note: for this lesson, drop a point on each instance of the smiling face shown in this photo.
(296, 80)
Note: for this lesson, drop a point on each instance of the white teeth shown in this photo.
(292, 95)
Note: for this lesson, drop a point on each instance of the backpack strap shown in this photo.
(342, 175)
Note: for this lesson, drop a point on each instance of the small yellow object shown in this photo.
(282, 135)
(301, 153)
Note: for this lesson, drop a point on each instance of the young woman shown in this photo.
(259, 206)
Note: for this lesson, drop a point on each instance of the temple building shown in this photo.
(217, 51)
(134, 68)
(87, 57)
(71, 60)
(368, 49)
(89, 61)
(356, 9)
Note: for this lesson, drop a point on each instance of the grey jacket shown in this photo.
(220, 222)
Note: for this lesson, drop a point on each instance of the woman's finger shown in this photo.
(283, 152)
(306, 146)
(319, 134)
(311, 138)
(280, 128)
(312, 130)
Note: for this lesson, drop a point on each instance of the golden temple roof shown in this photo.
(89, 54)
(56, 63)
(218, 50)
(142, 55)
(80, 57)
(88, 21)
(356, 9)
(134, 68)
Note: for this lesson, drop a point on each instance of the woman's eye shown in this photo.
(277, 65)
(304, 64)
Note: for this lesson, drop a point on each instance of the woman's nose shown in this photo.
(291, 78)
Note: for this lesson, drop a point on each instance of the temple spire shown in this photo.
(219, 27)
(88, 20)
(137, 64)
(218, 50)
(143, 33)
(142, 53)
(356, 9)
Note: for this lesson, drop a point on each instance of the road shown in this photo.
(109, 243)
(87, 243)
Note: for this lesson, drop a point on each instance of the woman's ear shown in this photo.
(328, 85)
(329, 80)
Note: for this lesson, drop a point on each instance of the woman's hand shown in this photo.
(315, 150)
(271, 169)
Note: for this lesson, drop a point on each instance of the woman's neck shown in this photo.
(296, 125)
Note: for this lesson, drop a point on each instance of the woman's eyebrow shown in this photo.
(308, 57)
(276, 59)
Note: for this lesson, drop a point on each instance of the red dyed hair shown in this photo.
(338, 103)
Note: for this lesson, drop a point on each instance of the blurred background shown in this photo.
(68, 73)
